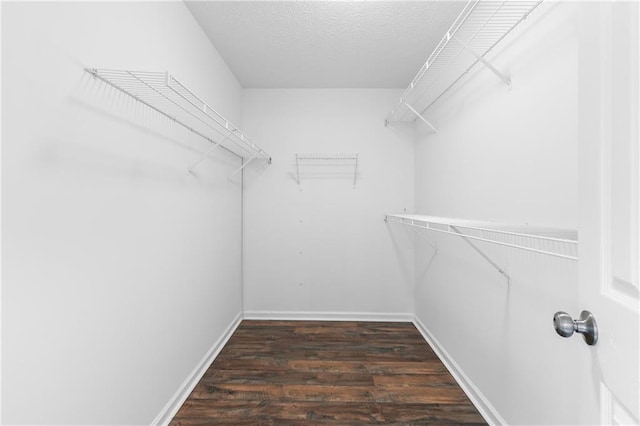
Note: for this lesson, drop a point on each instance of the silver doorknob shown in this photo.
(586, 325)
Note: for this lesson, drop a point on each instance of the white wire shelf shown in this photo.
(337, 156)
(481, 25)
(163, 93)
(349, 159)
(550, 241)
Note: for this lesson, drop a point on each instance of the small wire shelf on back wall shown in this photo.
(334, 161)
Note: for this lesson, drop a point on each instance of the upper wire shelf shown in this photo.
(343, 158)
(551, 241)
(481, 25)
(163, 93)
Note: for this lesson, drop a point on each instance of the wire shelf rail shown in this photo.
(339, 158)
(549, 241)
(163, 93)
(481, 25)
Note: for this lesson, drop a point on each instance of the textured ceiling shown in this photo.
(320, 44)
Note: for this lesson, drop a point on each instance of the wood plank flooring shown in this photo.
(311, 372)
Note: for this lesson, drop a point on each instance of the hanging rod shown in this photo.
(561, 243)
(479, 27)
(163, 93)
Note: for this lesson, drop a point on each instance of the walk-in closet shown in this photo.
(320, 212)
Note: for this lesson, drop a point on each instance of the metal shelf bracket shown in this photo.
(209, 151)
(429, 243)
(418, 115)
(245, 164)
(481, 253)
(484, 62)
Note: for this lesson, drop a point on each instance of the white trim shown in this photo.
(327, 316)
(481, 403)
(181, 395)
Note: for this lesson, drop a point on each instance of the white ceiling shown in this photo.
(321, 44)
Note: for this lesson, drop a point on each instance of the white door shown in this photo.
(609, 230)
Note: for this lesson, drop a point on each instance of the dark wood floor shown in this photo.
(307, 372)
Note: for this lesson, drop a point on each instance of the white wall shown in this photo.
(120, 270)
(323, 247)
(508, 157)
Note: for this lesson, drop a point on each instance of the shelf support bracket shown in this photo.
(209, 151)
(433, 246)
(486, 63)
(429, 243)
(244, 165)
(481, 253)
(422, 118)
(298, 169)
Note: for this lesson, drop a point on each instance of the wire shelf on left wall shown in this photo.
(163, 93)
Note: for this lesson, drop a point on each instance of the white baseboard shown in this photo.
(327, 316)
(483, 405)
(181, 395)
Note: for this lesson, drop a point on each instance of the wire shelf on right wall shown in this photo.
(476, 31)
(549, 241)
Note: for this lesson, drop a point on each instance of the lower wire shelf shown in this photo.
(550, 241)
